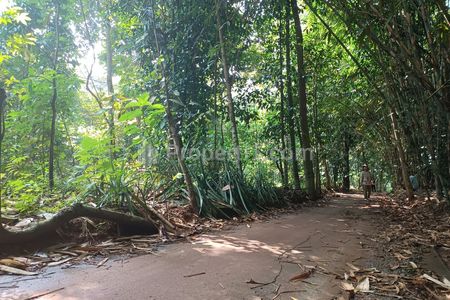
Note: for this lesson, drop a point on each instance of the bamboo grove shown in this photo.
(219, 104)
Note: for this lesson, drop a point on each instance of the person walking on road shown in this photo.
(366, 182)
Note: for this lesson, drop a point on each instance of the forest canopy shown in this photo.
(219, 104)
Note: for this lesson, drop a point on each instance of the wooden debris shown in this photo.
(13, 263)
(60, 262)
(16, 271)
(102, 262)
(193, 275)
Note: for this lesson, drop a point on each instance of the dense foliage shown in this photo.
(219, 103)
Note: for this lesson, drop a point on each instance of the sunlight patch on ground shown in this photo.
(215, 246)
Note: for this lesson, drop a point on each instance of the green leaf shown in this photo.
(131, 115)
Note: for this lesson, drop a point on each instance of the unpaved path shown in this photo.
(270, 251)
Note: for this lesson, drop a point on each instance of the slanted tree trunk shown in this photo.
(228, 85)
(401, 154)
(49, 227)
(306, 144)
(51, 162)
(284, 163)
(290, 103)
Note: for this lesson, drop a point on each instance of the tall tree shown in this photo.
(284, 162)
(51, 163)
(228, 85)
(304, 127)
(109, 79)
(290, 102)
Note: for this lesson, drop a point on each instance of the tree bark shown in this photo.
(228, 85)
(49, 227)
(284, 164)
(109, 84)
(401, 155)
(306, 144)
(327, 173)
(318, 181)
(290, 103)
(2, 135)
(346, 173)
(173, 129)
(51, 163)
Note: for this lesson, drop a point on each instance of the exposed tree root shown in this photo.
(49, 227)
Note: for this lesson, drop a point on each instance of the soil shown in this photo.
(252, 261)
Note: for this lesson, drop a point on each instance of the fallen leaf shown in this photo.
(363, 286)
(102, 262)
(347, 286)
(395, 267)
(251, 281)
(16, 271)
(57, 263)
(438, 282)
(302, 276)
(13, 263)
(400, 257)
(413, 265)
(354, 268)
(407, 251)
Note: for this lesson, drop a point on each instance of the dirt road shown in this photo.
(221, 265)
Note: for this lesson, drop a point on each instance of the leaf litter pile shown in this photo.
(416, 251)
(95, 243)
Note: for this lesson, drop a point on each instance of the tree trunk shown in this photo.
(2, 135)
(51, 162)
(327, 173)
(335, 176)
(179, 150)
(318, 181)
(290, 103)
(109, 84)
(284, 163)
(346, 173)
(401, 155)
(173, 129)
(49, 227)
(306, 144)
(228, 85)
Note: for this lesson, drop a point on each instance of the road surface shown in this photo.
(226, 264)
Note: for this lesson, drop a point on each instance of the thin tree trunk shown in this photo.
(401, 155)
(109, 83)
(318, 186)
(284, 164)
(290, 103)
(306, 144)
(335, 176)
(327, 174)
(173, 129)
(51, 163)
(228, 85)
(2, 135)
(179, 148)
(346, 173)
